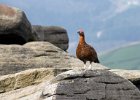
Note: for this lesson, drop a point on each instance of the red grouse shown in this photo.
(84, 51)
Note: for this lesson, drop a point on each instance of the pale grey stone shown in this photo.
(53, 34)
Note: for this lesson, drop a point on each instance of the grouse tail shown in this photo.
(97, 61)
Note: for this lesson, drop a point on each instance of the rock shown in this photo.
(14, 26)
(78, 84)
(28, 93)
(25, 78)
(132, 75)
(53, 34)
(16, 58)
(90, 85)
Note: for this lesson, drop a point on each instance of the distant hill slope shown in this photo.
(127, 57)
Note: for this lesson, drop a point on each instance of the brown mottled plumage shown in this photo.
(84, 51)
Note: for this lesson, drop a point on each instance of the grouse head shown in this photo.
(81, 32)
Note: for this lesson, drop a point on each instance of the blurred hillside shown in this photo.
(127, 57)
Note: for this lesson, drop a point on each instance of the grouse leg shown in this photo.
(85, 65)
(90, 65)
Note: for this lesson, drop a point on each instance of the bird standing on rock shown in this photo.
(84, 51)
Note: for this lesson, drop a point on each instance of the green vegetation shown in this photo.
(127, 57)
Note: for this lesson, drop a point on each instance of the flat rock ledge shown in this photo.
(16, 58)
(78, 84)
(31, 77)
(131, 75)
(26, 78)
(90, 85)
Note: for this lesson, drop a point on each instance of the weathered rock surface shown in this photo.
(26, 78)
(53, 34)
(16, 58)
(90, 85)
(28, 93)
(25, 84)
(14, 26)
(48, 60)
(132, 75)
(78, 85)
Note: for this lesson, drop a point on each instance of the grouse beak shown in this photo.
(78, 32)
